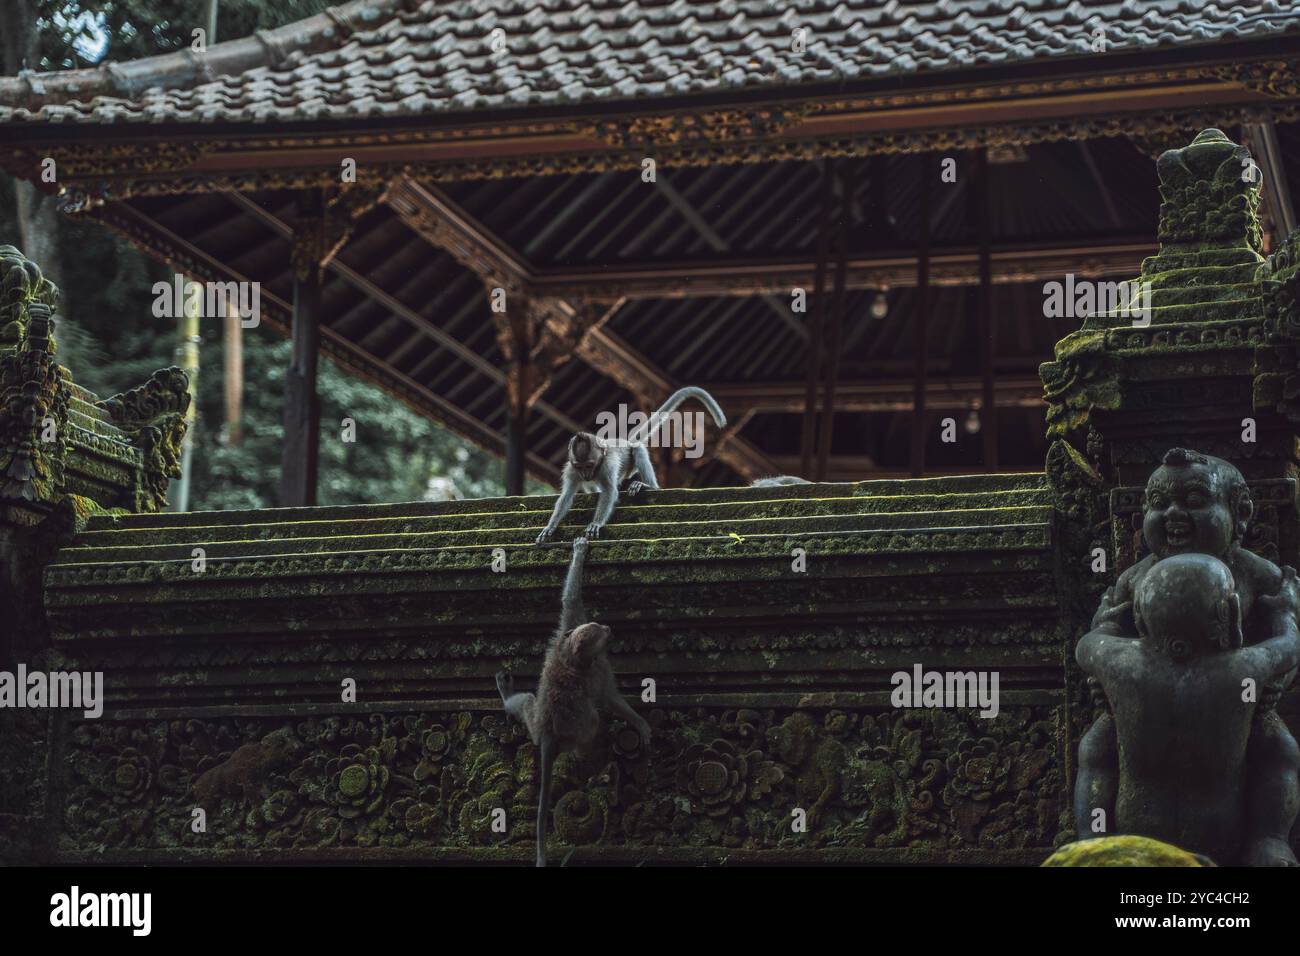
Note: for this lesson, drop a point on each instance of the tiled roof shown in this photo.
(380, 58)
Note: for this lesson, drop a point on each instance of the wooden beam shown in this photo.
(892, 394)
(435, 217)
(948, 268)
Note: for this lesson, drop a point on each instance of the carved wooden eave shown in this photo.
(1110, 95)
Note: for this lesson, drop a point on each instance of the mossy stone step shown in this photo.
(1203, 276)
(1202, 294)
(87, 407)
(641, 511)
(439, 536)
(920, 488)
(1181, 256)
(1173, 314)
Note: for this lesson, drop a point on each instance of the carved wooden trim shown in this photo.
(797, 129)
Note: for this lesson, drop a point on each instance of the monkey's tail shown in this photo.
(644, 432)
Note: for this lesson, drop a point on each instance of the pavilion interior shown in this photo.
(1093, 200)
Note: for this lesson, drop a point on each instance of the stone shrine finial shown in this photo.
(1210, 190)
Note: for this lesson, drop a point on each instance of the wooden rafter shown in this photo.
(445, 226)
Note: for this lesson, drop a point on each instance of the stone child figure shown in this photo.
(1179, 714)
(1198, 504)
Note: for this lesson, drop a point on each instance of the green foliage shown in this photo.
(138, 28)
(397, 454)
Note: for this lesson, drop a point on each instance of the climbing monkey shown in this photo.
(576, 681)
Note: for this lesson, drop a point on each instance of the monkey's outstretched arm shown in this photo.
(604, 507)
(572, 611)
(645, 470)
(568, 488)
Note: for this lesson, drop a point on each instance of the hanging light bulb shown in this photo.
(972, 423)
(880, 305)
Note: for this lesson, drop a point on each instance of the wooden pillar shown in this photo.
(301, 450)
(300, 454)
(515, 339)
(818, 317)
(921, 318)
(843, 239)
(987, 328)
(516, 446)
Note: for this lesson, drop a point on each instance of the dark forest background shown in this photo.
(107, 333)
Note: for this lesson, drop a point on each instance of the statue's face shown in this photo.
(1186, 510)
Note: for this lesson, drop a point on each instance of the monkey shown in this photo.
(598, 465)
(778, 480)
(576, 680)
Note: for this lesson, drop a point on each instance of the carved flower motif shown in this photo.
(580, 817)
(417, 816)
(130, 775)
(717, 776)
(435, 745)
(358, 779)
(976, 770)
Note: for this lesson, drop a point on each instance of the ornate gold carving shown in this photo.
(1270, 77)
(717, 126)
(319, 239)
